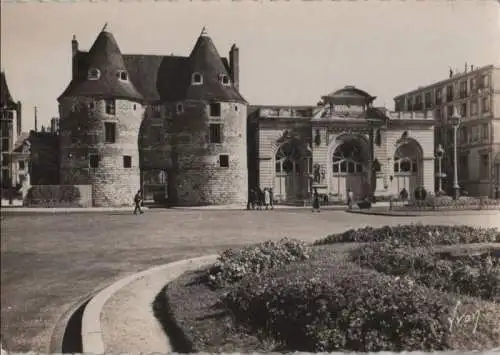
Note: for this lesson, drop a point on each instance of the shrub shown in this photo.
(477, 276)
(341, 307)
(233, 264)
(416, 235)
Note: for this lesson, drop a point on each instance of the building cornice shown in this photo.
(447, 81)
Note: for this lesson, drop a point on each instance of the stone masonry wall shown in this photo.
(197, 176)
(82, 133)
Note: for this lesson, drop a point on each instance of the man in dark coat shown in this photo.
(138, 201)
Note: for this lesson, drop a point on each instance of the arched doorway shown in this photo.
(292, 168)
(349, 169)
(408, 166)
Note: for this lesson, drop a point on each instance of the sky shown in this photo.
(291, 52)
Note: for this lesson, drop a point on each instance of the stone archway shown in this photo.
(292, 162)
(348, 167)
(408, 166)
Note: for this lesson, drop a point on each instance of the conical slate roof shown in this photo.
(205, 59)
(5, 96)
(104, 55)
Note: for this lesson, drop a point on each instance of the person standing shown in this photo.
(271, 197)
(267, 198)
(316, 205)
(138, 201)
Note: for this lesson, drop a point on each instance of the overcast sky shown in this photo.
(290, 52)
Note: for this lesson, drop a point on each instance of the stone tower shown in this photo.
(209, 139)
(101, 112)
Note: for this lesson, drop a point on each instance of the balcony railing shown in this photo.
(289, 112)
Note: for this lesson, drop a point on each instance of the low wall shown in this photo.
(59, 196)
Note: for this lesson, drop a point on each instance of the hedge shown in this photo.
(477, 276)
(416, 235)
(338, 306)
(233, 264)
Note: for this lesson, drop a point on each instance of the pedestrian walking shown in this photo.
(272, 197)
(138, 202)
(267, 198)
(316, 203)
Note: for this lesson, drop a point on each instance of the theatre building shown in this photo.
(342, 143)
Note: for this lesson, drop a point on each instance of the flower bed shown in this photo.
(234, 264)
(477, 276)
(448, 203)
(315, 306)
(393, 295)
(416, 235)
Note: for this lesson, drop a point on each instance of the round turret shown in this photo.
(101, 113)
(209, 139)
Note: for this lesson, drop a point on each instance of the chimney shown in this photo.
(74, 51)
(234, 63)
(36, 119)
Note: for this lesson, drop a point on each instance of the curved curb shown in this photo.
(426, 213)
(92, 334)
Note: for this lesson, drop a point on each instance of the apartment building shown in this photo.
(475, 92)
(12, 169)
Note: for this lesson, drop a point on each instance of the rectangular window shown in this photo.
(449, 93)
(409, 103)
(463, 89)
(428, 100)
(110, 132)
(94, 161)
(463, 109)
(156, 111)
(5, 159)
(127, 161)
(5, 128)
(5, 145)
(484, 166)
(110, 107)
(215, 109)
(21, 164)
(5, 177)
(438, 96)
(224, 161)
(464, 137)
(473, 83)
(485, 131)
(215, 134)
(473, 108)
(485, 104)
(449, 111)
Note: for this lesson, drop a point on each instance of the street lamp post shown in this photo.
(440, 154)
(455, 121)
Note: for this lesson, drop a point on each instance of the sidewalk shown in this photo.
(120, 319)
(66, 209)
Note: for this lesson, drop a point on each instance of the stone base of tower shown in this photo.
(109, 189)
(195, 188)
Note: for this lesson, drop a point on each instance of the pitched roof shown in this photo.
(168, 78)
(104, 55)
(5, 96)
(205, 59)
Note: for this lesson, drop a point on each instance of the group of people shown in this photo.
(260, 199)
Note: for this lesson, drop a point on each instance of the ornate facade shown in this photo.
(342, 143)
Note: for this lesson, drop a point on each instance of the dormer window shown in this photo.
(94, 74)
(197, 79)
(122, 75)
(224, 79)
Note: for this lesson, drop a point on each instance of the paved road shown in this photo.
(50, 261)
